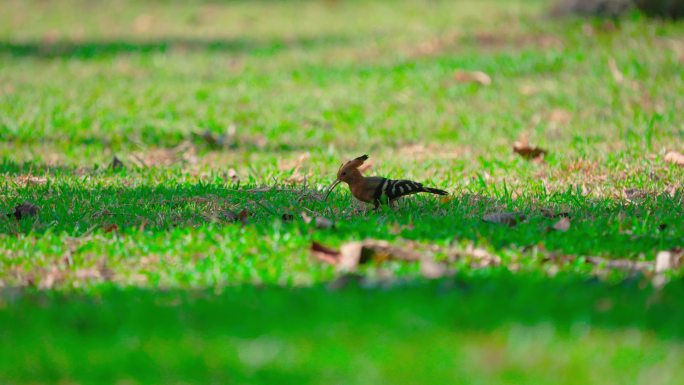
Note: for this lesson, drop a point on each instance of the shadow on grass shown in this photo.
(106, 48)
(311, 330)
(599, 226)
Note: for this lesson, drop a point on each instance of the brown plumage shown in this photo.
(376, 189)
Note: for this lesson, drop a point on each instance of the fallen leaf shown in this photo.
(551, 213)
(232, 174)
(523, 149)
(480, 257)
(632, 194)
(116, 164)
(53, 276)
(210, 138)
(615, 71)
(226, 140)
(353, 254)
(232, 216)
(562, 225)
(664, 261)
(296, 177)
(446, 199)
(50, 37)
(296, 166)
(290, 164)
(620, 264)
(142, 23)
(560, 116)
(479, 77)
(88, 274)
(320, 222)
(432, 269)
(31, 179)
(24, 210)
(504, 218)
(164, 157)
(675, 158)
(111, 227)
(325, 254)
(528, 90)
(323, 223)
(350, 256)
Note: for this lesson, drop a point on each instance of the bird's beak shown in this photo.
(332, 187)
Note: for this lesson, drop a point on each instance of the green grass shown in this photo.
(136, 276)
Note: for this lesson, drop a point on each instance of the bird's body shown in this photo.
(377, 189)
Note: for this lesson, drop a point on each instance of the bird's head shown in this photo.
(348, 172)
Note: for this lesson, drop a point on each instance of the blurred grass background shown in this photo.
(138, 275)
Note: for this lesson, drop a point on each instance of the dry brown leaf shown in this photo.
(552, 213)
(164, 157)
(116, 163)
(232, 174)
(142, 23)
(325, 254)
(620, 264)
(210, 138)
(53, 276)
(320, 222)
(232, 216)
(296, 177)
(528, 90)
(297, 166)
(111, 227)
(664, 261)
(523, 149)
(504, 218)
(30, 179)
(50, 37)
(560, 116)
(675, 158)
(562, 225)
(615, 71)
(24, 210)
(350, 256)
(227, 140)
(432, 269)
(478, 77)
(632, 194)
(480, 257)
(290, 164)
(353, 254)
(446, 199)
(88, 274)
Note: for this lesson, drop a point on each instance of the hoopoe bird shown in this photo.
(376, 189)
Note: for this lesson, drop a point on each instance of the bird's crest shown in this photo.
(354, 163)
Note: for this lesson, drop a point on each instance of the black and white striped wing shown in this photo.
(390, 189)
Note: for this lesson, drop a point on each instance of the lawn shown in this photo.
(192, 261)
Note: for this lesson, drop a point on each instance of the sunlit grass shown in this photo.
(300, 87)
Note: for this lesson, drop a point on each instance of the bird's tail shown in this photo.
(435, 191)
